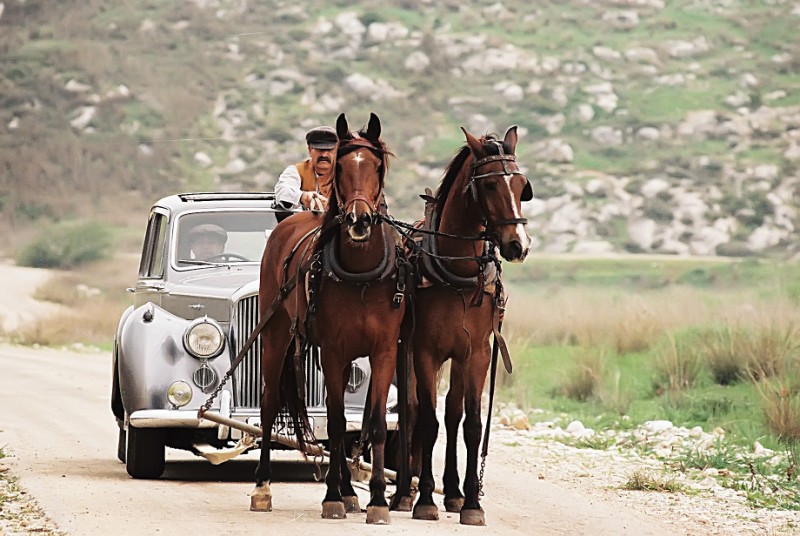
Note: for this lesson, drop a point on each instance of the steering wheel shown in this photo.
(227, 257)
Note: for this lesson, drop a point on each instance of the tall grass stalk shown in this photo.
(677, 365)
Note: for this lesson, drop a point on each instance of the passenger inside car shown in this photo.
(207, 241)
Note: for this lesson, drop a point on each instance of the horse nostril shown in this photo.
(514, 249)
(366, 220)
(350, 219)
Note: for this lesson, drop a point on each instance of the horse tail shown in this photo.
(292, 395)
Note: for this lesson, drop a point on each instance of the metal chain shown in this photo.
(207, 406)
(480, 477)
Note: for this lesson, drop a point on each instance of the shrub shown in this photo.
(68, 245)
(780, 402)
(584, 376)
(677, 364)
(723, 352)
(769, 351)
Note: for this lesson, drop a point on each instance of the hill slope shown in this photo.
(647, 125)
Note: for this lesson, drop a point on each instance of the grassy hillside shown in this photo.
(117, 103)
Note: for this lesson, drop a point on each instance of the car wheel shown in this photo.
(122, 444)
(144, 456)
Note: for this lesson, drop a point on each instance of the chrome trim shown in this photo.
(247, 381)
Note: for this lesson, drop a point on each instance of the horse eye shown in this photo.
(490, 185)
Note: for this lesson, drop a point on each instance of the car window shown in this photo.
(153, 251)
(241, 235)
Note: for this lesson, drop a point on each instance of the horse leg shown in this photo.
(333, 506)
(383, 368)
(453, 413)
(346, 487)
(275, 342)
(471, 512)
(425, 433)
(404, 496)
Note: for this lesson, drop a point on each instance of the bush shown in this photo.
(68, 245)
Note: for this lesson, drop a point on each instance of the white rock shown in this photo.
(147, 26)
(642, 232)
(417, 61)
(2, 8)
(202, 159)
(85, 115)
(606, 54)
(642, 55)
(14, 123)
(575, 427)
(648, 134)
(73, 86)
(349, 23)
(748, 81)
(378, 32)
(235, 166)
(657, 426)
(607, 136)
(584, 113)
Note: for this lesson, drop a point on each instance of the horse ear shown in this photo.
(373, 128)
(472, 141)
(511, 138)
(342, 129)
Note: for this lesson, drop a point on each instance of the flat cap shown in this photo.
(323, 138)
(209, 229)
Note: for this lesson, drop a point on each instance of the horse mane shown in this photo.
(456, 166)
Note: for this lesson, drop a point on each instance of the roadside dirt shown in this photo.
(59, 436)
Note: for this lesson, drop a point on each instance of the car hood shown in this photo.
(216, 282)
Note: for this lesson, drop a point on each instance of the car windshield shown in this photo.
(221, 237)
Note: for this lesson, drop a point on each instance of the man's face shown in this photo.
(206, 246)
(321, 159)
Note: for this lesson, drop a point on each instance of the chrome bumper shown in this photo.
(169, 418)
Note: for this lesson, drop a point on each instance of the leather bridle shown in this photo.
(347, 148)
(472, 185)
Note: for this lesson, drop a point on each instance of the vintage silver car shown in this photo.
(191, 314)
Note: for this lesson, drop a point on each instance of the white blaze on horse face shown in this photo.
(358, 158)
(519, 229)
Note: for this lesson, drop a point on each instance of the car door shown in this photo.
(153, 264)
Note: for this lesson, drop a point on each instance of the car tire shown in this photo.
(122, 444)
(144, 455)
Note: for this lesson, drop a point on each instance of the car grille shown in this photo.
(247, 383)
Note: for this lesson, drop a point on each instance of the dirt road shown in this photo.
(56, 423)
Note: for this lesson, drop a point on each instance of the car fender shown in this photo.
(152, 356)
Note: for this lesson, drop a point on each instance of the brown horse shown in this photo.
(460, 304)
(348, 309)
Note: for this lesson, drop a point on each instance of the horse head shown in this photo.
(498, 187)
(361, 164)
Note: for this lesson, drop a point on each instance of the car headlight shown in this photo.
(204, 338)
(179, 394)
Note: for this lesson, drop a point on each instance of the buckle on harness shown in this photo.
(397, 300)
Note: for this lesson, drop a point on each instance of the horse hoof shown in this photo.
(404, 504)
(454, 505)
(377, 515)
(261, 503)
(473, 517)
(426, 512)
(333, 510)
(351, 505)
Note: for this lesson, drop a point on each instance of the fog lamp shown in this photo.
(179, 394)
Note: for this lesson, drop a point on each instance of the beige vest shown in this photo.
(309, 182)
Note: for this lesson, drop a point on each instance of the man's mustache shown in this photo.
(324, 159)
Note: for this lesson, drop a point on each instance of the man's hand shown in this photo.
(313, 201)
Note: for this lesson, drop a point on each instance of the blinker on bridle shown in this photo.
(349, 147)
(503, 158)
